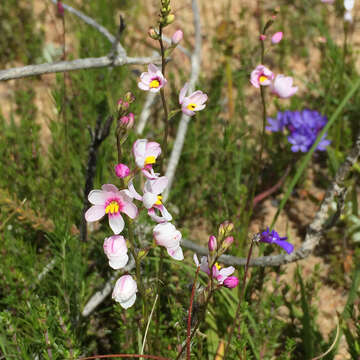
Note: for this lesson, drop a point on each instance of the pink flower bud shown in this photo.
(125, 291)
(60, 8)
(122, 105)
(231, 282)
(262, 37)
(177, 37)
(122, 171)
(128, 121)
(212, 243)
(228, 241)
(153, 34)
(276, 38)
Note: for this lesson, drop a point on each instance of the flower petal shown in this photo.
(109, 188)
(225, 272)
(118, 262)
(176, 253)
(97, 197)
(116, 223)
(130, 210)
(133, 191)
(183, 92)
(128, 303)
(95, 213)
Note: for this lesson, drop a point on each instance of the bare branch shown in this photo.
(184, 121)
(90, 21)
(80, 64)
(337, 190)
(145, 112)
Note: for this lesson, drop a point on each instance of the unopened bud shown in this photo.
(212, 243)
(122, 171)
(153, 34)
(177, 37)
(227, 242)
(262, 37)
(276, 38)
(127, 121)
(225, 228)
(60, 8)
(231, 282)
(122, 105)
(129, 97)
(169, 19)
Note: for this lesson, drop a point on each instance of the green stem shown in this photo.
(158, 291)
(242, 293)
(163, 100)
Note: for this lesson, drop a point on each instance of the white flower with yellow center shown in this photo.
(145, 153)
(194, 102)
(152, 80)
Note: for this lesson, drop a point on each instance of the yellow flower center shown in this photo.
(262, 78)
(217, 266)
(154, 84)
(112, 208)
(150, 160)
(191, 106)
(158, 202)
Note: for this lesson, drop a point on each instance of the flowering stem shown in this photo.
(240, 300)
(163, 100)
(189, 316)
(188, 339)
(158, 292)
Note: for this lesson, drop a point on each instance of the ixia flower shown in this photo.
(112, 202)
(152, 198)
(116, 250)
(194, 102)
(261, 75)
(146, 153)
(283, 86)
(222, 275)
(272, 237)
(152, 80)
(303, 127)
(167, 235)
(125, 291)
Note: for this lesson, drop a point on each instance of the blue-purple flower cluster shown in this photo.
(303, 127)
(272, 237)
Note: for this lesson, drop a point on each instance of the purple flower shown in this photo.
(303, 128)
(274, 238)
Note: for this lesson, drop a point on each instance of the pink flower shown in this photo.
(128, 121)
(152, 199)
(283, 86)
(276, 38)
(125, 291)
(218, 273)
(112, 202)
(231, 282)
(194, 102)
(152, 80)
(261, 75)
(177, 37)
(116, 250)
(60, 8)
(166, 235)
(122, 171)
(145, 153)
